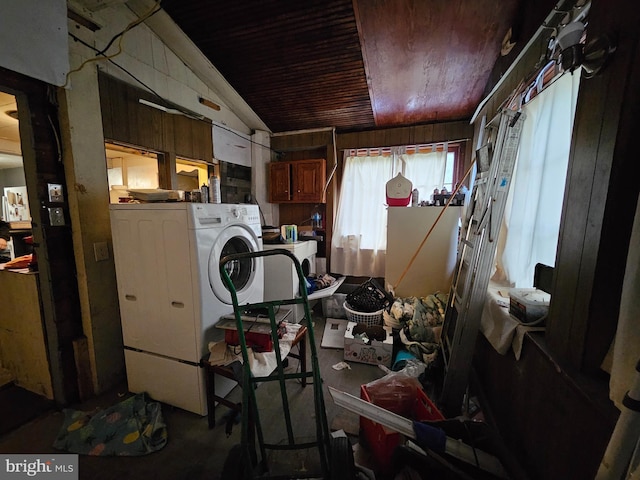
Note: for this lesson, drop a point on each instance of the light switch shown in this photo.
(101, 251)
(55, 192)
(56, 217)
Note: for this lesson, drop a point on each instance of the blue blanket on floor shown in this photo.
(130, 428)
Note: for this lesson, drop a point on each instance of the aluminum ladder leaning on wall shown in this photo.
(476, 251)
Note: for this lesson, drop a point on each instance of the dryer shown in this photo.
(171, 293)
(280, 277)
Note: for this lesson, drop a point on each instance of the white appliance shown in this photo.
(433, 267)
(280, 277)
(171, 292)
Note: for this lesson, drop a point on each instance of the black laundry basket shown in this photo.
(243, 461)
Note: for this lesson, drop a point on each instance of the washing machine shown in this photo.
(221, 230)
(171, 292)
(280, 277)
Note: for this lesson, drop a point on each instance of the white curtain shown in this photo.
(360, 228)
(532, 213)
(427, 171)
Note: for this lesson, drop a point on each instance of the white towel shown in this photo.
(502, 330)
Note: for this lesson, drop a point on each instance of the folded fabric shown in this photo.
(502, 330)
(132, 427)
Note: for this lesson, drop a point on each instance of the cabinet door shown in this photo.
(153, 271)
(308, 180)
(279, 182)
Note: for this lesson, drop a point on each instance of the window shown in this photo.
(532, 214)
(360, 229)
(129, 168)
(191, 174)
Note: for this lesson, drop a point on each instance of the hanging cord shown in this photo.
(434, 225)
(100, 55)
(57, 137)
(152, 11)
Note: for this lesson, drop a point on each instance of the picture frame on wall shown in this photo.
(17, 204)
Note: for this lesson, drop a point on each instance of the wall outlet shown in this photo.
(101, 251)
(56, 217)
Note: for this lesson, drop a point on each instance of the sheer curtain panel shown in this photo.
(532, 214)
(360, 229)
(427, 171)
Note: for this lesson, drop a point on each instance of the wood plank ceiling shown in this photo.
(351, 64)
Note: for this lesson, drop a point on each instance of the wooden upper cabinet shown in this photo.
(299, 181)
(279, 182)
(308, 180)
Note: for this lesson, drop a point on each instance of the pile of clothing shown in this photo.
(419, 321)
(318, 282)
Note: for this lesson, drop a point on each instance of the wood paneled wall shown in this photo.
(418, 134)
(601, 196)
(555, 427)
(125, 120)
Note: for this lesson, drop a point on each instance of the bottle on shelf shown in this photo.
(214, 189)
(316, 220)
(204, 189)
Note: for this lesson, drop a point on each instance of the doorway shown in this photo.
(53, 306)
(26, 388)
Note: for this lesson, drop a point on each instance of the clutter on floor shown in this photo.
(403, 395)
(372, 344)
(419, 323)
(402, 336)
(333, 335)
(132, 427)
(188, 455)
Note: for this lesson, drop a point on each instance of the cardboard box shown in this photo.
(528, 305)
(374, 353)
(382, 441)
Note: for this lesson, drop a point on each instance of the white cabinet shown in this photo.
(159, 310)
(432, 270)
(155, 287)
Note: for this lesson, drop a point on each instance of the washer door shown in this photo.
(234, 239)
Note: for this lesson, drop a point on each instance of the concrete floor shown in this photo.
(193, 450)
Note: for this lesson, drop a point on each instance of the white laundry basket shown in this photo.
(370, 319)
